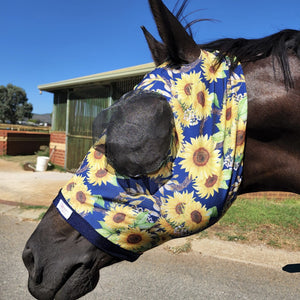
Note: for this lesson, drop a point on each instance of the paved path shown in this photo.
(26, 187)
(211, 270)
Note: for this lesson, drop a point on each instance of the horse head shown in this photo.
(64, 254)
(62, 264)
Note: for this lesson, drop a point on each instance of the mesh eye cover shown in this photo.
(138, 132)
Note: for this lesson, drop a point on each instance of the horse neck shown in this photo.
(272, 154)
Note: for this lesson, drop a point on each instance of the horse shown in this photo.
(62, 262)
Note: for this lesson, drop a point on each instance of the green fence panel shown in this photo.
(59, 111)
(84, 106)
(78, 107)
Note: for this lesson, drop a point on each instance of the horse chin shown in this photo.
(76, 285)
(81, 282)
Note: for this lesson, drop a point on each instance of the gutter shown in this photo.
(100, 77)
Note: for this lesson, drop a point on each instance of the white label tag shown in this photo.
(64, 209)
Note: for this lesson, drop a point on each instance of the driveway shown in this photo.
(27, 187)
(212, 270)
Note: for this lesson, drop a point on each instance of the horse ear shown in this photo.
(157, 49)
(180, 46)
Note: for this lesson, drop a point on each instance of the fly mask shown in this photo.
(133, 193)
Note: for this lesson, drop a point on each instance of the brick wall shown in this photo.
(58, 148)
(13, 142)
(3, 142)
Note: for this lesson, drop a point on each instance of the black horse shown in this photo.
(63, 264)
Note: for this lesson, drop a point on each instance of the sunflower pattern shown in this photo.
(195, 185)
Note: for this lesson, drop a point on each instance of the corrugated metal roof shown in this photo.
(97, 78)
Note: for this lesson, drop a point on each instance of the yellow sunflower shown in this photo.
(177, 147)
(180, 111)
(76, 180)
(100, 143)
(174, 208)
(175, 139)
(100, 176)
(166, 226)
(120, 216)
(164, 171)
(236, 79)
(200, 158)
(229, 141)
(185, 86)
(162, 237)
(96, 159)
(134, 239)
(213, 72)
(205, 54)
(80, 199)
(207, 187)
(229, 114)
(197, 217)
(240, 137)
(202, 100)
(163, 65)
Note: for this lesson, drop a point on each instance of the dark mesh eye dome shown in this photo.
(138, 132)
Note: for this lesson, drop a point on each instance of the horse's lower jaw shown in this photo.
(79, 283)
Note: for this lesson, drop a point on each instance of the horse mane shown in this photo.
(278, 45)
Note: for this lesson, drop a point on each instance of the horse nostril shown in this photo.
(35, 273)
(28, 259)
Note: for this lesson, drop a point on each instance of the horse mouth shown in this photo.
(78, 281)
(81, 280)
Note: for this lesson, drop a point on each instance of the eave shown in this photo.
(99, 78)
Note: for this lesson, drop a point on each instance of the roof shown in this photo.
(104, 77)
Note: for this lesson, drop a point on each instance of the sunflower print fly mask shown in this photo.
(193, 187)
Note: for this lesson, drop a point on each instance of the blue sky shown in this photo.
(47, 41)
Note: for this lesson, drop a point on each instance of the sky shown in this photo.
(49, 41)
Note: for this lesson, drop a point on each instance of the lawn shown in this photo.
(260, 221)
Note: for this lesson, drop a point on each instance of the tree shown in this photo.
(13, 104)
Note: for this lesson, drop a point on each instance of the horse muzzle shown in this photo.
(61, 263)
(59, 280)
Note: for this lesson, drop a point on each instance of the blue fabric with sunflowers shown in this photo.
(196, 185)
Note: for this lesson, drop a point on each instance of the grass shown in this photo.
(40, 217)
(184, 248)
(253, 213)
(43, 208)
(260, 221)
(26, 207)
